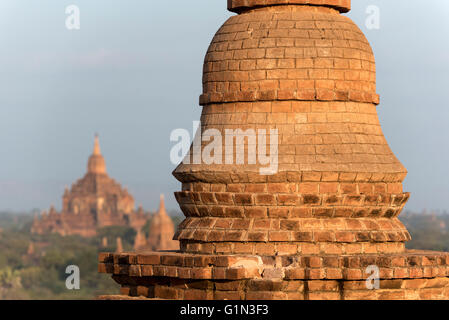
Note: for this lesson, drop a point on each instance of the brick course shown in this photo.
(335, 277)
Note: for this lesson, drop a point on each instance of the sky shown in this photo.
(132, 73)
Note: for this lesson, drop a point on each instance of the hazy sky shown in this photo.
(132, 73)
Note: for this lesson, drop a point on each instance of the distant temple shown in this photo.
(95, 201)
(161, 233)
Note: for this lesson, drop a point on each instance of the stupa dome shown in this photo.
(289, 53)
(307, 71)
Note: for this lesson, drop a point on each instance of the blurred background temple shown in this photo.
(97, 201)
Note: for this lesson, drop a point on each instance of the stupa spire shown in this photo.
(97, 150)
(96, 164)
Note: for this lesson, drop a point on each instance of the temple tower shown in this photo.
(319, 224)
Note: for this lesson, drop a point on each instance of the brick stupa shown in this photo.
(311, 230)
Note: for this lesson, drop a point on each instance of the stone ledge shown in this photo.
(408, 265)
(240, 204)
(123, 298)
(210, 235)
(169, 289)
(240, 5)
(250, 174)
(284, 95)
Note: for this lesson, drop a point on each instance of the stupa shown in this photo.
(140, 241)
(327, 220)
(162, 230)
(119, 245)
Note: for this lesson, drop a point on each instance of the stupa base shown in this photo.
(412, 275)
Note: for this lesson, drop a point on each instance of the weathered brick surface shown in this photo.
(311, 230)
(293, 277)
(338, 181)
(405, 265)
(304, 53)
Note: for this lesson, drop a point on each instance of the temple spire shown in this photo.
(97, 150)
(96, 163)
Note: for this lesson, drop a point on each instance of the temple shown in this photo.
(93, 202)
(327, 220)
